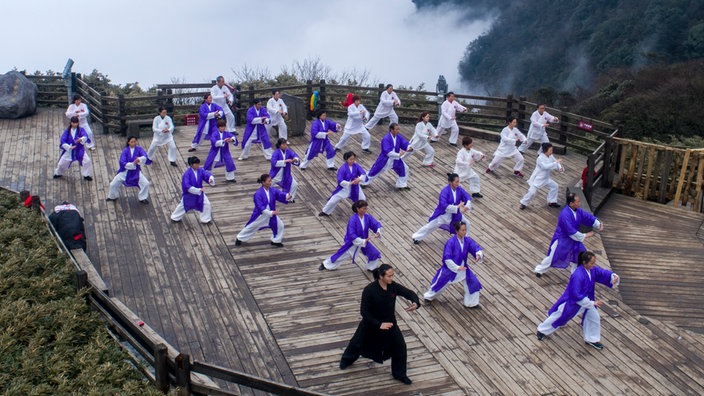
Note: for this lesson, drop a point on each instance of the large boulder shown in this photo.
(18, 95)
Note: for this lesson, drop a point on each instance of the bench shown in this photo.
(93, 276)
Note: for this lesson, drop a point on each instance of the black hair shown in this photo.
(161, 108)
(319, 113)
(264, 177)
(221, 122)
(457, 225)
(422, 115)
(193, 160)
(510, 119)
(76, 97)
(571, 197)
(389, 86)
(451, 177)
(74, 119)
(356, 98)
(447, 95)
(545, 146)
(205, 97)
(274, 91)
(359, 204)
(280, 142)
(348, 154)
(381, 271)
(219, 77)
(585, 257)
(130, 138)
(392, 125)
(255, 101)
(466, 140)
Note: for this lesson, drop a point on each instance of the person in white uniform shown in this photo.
(466, 157)
(507, 148)
(448, 118)
(223, 98)
(538, 121)
(425, 131)
(277, 111)
(545, 164)
(356, 116)
(163, 127)
(81, 111)
(387, 101)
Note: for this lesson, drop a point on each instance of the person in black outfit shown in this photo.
(378, 336)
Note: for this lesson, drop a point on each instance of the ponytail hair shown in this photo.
(585, 257)
(264, 177)
(381, 271)
(451, 177)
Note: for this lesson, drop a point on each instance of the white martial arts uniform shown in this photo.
(82, 113)
(424, 131)
(354, 125)
(385, 109)
(541, 177)
(221, 95)
(276, 110)
(507, 149)
(448, 121)
(537, 131)
(463, 167)
(163, 134)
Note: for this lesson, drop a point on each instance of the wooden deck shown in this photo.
(671, 287)
(270, 312)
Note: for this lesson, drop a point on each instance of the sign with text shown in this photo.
(585, 126)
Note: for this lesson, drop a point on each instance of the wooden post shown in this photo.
(183, 374)
(665, 175)
(169, 102)
(649, 172)
(563, 130)
(607, 171)
(700, 180)
(522, 114)
(238, 104)
(159, 98)
(509, 106)
(106, 129)
(309, 93)
(122, 113)
(588, 187)
(250, 95)
(323, 97)
(81, 279)
(36, 204)
(683, 172)
(161, 368)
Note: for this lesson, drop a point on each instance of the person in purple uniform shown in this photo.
(566, 242)
(357, 239)
(349, 177)
(208, 113)
(72, 145)
(257, 119)
(393, 147)
(578, 299)
(319, 143)
(265, 214)
(130, 172)
(193, 196)
(219, 154)
(455, 269)
(280, 172)
(453, 202)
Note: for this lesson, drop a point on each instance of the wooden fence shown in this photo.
(52, 91)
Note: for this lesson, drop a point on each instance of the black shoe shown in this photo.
(453, 144)
(190, 150)
(277, 244)
(403, 188)
(173, 164)
(477, 195)
(405, 380)
(416, 242)
(110, 199)
(522, 207)
(143, 201)
(88, 178)
(595, 345)
(475, 307)
(337, 150)
(332, 168)
(175, 221)
(292, 201)
(302, 168)
(538, 275)
(322, 268)
(56, 176)
(344, 364)
(426, 301)
(323, 214)
(367, 151)
(362, 186)
(231, 181)
(238, 242)
(554, 205)
(540, 336)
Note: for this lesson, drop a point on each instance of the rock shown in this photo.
(296, 122)
(18, 96)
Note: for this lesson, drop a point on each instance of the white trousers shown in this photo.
(347, 255)
(545, 264)
(454, 132)
(172, 152)
(474, 182)
(294, 184)
(552, 193)
(401, 181)
(329, 162)
(335, 199)
(517, 157)
(366, 140)
(117, 182)
(245, 151)
(229, 117)
(86, 127)
(470, 299)
(205, 215)
(527, 143)
(427, 149)
(393, 118)
(591, 327)
(283, 129)
(250, 229)
(64, 164)
(435, 224)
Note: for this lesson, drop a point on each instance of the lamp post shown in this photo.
(441, 89)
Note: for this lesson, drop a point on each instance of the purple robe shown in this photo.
(79, 151)
(354, 231)
(317, 145)
(579, 286)
(260, 203)
(277, 156)
(345, 173)
(446, 199)
(203, 120)
(132, 177)
(458, 254)
(387, 146)
(262, 135)
(189, 179)
(567, 248)
(224, 150)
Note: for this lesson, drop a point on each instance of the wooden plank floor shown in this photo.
(671, 287)
(270, 312)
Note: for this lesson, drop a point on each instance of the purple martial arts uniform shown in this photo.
(446, 199)
(579, 286)
(262, 135)
(260, 203)
(354, 231)
(388, 146)
(191, 179)
(132, 177)
(345, 173)
(224, 151)
(80, 150)
(567, 248)
(458, 254)
(320, 145)
(286, 178)
(212, 125)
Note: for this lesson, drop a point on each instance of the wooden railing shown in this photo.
(52, 91)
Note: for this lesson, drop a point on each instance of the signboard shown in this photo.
(585, 126)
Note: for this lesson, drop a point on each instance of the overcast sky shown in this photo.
(152, 42)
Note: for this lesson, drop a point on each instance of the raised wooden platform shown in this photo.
(270, 312)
